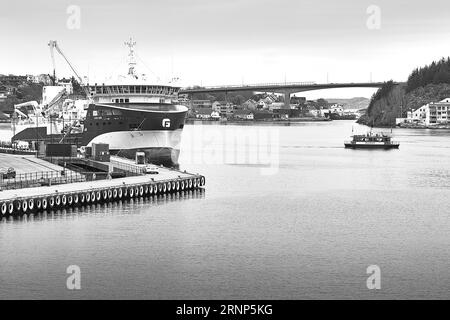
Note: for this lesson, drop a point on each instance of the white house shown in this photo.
(262, 105)
(250, 104)
(337, 108)
(244, 115)
(222, 107)
(67, 84)
(431, 114)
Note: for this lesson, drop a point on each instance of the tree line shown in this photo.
(435, 73)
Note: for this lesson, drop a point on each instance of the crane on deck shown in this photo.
(54, 46)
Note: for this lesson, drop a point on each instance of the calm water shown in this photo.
(308, 228)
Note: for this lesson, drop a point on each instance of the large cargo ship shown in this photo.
(130, 114)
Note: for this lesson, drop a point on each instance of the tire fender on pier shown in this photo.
(178, 185)
(120, 193)
(10, 208)
(44, 203)
(64, 200)
(51, 202)
(4, 208)
(114, 193)
(31, 204)
(182, 185)
(38, 204)
(75, 198)
(131, 192)
(99, 196)
(69, 199)
(141, 191)
(169, 186)
(58, 200)
(24, 206)
(105, 194)
(190, 183)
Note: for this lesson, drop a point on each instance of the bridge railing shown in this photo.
(273, 84)
(281, 85)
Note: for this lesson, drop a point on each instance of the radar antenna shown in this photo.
(131, 58)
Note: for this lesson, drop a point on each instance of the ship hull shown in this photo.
(161, 147)
(372, 146)
(153, 129)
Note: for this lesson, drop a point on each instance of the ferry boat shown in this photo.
(130, 114)
(371, 141)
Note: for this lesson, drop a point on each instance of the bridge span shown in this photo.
(286, 88)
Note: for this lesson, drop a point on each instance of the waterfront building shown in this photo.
(337, 109)
(244, 115)
(206, 114)
(262, 105)
(298, 101)
(66, 84)
(223, 107)
(276, 105)
(433, 113)
(201, 104)
(250, 104)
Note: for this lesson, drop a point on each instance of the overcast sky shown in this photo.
(213, 42)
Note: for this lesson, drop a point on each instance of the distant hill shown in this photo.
(353, 103)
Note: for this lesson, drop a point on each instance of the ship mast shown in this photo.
(131, 58)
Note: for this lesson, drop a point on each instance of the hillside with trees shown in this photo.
(430, 83)
(21, 93)
(435, 73)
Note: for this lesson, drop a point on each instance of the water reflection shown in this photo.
(127, 206)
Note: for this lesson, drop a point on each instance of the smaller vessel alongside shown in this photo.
(372, 141)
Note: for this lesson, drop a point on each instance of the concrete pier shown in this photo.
(45, 198)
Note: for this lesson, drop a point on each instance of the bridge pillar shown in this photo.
(287, 99)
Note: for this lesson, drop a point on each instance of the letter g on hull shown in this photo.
(166, 123)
